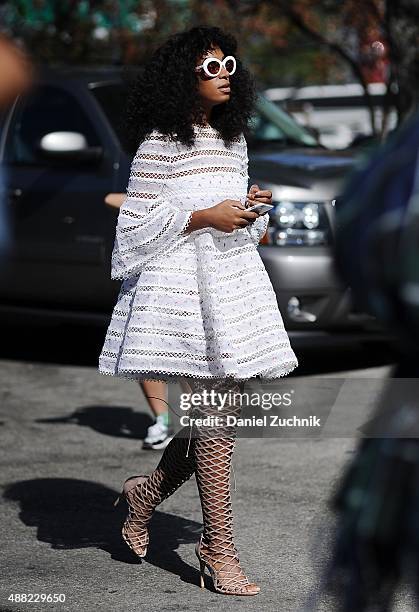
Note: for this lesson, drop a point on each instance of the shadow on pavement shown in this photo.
(73, 514)
(118, 421)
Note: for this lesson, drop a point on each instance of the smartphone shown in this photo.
(260, 208)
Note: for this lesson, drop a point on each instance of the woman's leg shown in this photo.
(213, 450)
(158, 434)
(156, 393)
(208, 453)
(174, 468)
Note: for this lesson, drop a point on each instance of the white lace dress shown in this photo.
(198, 304)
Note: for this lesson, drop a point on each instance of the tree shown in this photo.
(283, 42)
(377, 39)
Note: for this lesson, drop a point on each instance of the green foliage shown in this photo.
(284, 43)
(125, 31)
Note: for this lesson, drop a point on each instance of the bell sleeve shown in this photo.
(259, 226)
(149, 224)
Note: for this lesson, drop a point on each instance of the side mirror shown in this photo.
(69, 146)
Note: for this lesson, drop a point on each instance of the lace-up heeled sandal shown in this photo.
(228, 578)
(143, 493)
(134, 529)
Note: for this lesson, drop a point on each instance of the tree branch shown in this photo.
(297, 20)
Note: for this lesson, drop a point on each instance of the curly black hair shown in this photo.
(164, 95)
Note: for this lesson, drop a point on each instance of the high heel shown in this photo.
(134, 531)
(228, 579)
(122, 494)
(202, 573)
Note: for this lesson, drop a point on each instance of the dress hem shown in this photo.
(160, 375)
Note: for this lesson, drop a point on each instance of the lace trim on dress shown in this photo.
(183, 271)
(150, 175)
(200, 358)
(188, 222)
(164, 309)
(153, 156)
(208, 129)
(205, 169)
(156, 135)
(168, 289)
(207, 153)
(139, 196)
(155, 331)
(166, 376)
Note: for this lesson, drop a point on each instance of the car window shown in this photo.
(43, 110)
(270, 125)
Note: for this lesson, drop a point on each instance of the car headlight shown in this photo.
(298, 224)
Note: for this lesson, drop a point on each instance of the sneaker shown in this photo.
(158, 435)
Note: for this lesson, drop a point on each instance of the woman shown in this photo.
(196, 302)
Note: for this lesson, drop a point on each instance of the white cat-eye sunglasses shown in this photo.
(212, 65)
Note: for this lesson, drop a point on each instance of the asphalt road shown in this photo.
(70, 436)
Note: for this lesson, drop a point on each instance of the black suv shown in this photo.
(62, 151)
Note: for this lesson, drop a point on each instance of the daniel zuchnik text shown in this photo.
(272, 420)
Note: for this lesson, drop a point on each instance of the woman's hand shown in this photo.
(256, 196)
(229, 215)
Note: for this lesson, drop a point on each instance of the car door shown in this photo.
(58, 221)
